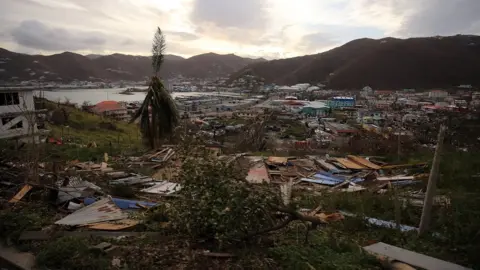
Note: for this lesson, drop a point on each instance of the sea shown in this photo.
(94, 96)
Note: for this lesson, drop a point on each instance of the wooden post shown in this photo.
(432, 184)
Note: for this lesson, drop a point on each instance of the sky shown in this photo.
(252, 28)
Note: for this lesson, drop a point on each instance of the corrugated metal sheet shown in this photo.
(258, 174)
(123, 203)
(103, 210)
(327, 166)
(325, 182)
(163, 187)
(350, 164)
(133, 180)
(364, 162)
(76, 189)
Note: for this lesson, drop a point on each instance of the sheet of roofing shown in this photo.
(364, 162)
(338, 177)
(164, 187)
(327, 166)
(103, 210)
(123, 203)
(325, 182)
(330, 178)
(411, 258)
(350, 164)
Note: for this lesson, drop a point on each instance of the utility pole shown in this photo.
(432, 184)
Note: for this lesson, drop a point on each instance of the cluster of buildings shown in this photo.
(366, 108)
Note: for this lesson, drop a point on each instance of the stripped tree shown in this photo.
(158, 114)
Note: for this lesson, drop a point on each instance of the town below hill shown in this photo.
(388, 63)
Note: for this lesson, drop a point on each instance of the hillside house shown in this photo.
(18, 114)
(111, 109)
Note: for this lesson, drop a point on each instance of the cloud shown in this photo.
(442, 17)
(36, 35)
(181, 35)
(317, 42)
(238, 21)
(246, 14)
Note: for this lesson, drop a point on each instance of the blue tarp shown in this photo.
(321, 181)
(123, 203)
(334, 177)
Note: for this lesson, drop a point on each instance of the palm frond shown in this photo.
(158, 114)
(158, 48)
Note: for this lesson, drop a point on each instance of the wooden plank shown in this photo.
(25, 189)
(411, 258)
(395, 178)
(113, 226)
(364, 162)
(350, 164)
(403, 166)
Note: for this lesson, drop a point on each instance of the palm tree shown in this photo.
(158, 113)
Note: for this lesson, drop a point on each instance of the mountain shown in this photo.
(387, 63)
(68, 66)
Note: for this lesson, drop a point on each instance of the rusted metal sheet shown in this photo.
(114, 225)
(350, 164)
(364, 162)
(25, 189)
(100, 211)
(258, 174)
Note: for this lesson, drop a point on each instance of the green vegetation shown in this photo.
(87, 136)
(83, 128)
(71, 253)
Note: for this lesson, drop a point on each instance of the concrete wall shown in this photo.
(11, 115)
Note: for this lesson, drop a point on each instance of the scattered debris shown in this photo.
(100, 211)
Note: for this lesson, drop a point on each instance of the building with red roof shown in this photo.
(111, 109)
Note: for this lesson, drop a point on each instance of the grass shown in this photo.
(83, 128)
(71, 253)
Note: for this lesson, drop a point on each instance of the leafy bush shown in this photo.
(71, 253)
(218, 204)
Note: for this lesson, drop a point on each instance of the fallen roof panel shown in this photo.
(412, 258)
(350, 164)
(364, 162)
(100, 211)
(164, 187)
(325, 182)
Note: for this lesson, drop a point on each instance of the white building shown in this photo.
(17, 113)
(437, 94)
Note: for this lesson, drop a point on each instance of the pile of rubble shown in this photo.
(349, 174)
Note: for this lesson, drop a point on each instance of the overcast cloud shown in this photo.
(262, 28)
